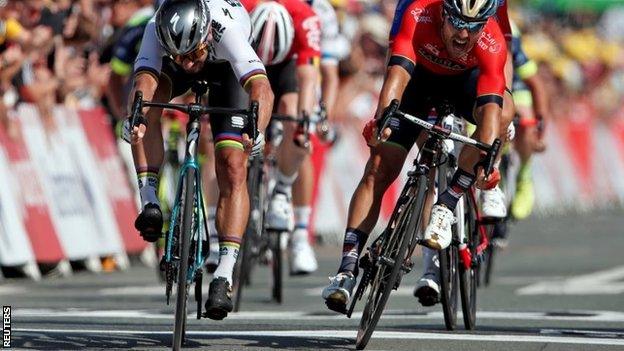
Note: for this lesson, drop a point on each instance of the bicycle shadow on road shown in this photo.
(44, 340)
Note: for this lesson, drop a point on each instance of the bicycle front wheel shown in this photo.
(276, 263)
(468, 277)
(392, 255)
(448, 259)
(184, 244)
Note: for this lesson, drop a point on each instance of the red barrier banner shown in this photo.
(31, 201)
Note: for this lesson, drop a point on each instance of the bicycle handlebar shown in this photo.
(440, 131)
(197, 109)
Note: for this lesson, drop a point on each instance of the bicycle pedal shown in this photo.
(336, 307)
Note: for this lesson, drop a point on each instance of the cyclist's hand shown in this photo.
(133, 134)
(301, 138)
(370, 133)
(327, 133)
(253, 147)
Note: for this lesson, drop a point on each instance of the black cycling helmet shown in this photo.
(182, 25)
(471, 10)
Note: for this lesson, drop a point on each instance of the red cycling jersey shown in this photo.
(307, 42)
(418, 40)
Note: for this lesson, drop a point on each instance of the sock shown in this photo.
(354, 242)
(302, 217)
(213, 237)
(431, 262)
(284, 183)
(228, 253)
(148, 185)
(460, 183)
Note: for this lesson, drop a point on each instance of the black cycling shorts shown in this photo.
(425, 91)
(283, 78)
(224, 90)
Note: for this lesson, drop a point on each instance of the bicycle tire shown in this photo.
(469, 278)
(276, 263)
(448, 259)
(398, 242)
(184, 246)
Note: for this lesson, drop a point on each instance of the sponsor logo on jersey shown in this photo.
(238, 122)
(421, 15)
(488, 42)
(217, 31)
(452, 65)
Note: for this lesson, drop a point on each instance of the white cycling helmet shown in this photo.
(471, 10)
(272, 32)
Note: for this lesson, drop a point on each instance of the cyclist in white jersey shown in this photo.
(187, 41)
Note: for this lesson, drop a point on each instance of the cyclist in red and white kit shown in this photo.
(286, 36)
(450, 50)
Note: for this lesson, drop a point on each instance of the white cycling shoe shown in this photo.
(493, 203)
(280, 216)
(427, 290)
(438, 233)
(302, 258)
(338, 293)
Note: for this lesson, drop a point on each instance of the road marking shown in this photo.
(341, 334)
(577, 332)
(11, 290)
(598, 283)
(584, 316)
(145, 290)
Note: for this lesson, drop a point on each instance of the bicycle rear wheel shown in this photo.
(393, 253)
(184, 244)
(448, 259)
(276, 265)
(468, 278)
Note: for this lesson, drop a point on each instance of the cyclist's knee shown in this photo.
(231, 168)
(382, 170)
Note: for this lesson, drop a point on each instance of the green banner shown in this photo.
(571, 5)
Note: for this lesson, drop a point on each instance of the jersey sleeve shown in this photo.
(125, 50)
(234, 47)
(524, 67)
(503, 19)
(402, 44)
(151, 53)
(307, 43)
(492, 55)
(331, 43)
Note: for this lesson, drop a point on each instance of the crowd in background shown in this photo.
(59, 52)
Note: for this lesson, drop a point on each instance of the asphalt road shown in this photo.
(559, 286)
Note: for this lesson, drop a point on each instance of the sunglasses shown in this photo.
(194, 55)
(460, 24)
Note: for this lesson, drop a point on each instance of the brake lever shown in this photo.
(252, 118)
(137, 106)
(383, 122)
(490, 158)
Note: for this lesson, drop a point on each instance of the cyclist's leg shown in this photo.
(148, 157)
(289, 155)
(302, 255)
(231, 172)
(525, 142)
(383, 167)
(211, 193)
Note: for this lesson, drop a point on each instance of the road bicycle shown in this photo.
(186, 244)
(388, 257)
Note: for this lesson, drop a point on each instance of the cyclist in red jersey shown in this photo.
(286, 37)
(444, 50)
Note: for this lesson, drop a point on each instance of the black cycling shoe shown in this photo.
(219, 302)
(427, 296)
(150, 222)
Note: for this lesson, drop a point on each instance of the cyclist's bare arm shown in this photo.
(307, 77)
(539, 94)
(393, 87)
(259, 90)
(329, 86)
